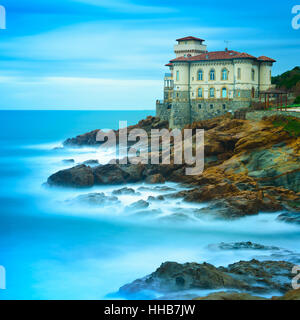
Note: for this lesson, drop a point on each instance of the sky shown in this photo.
(110, 54)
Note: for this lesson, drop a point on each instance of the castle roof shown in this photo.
(189, 38)
(221, 55)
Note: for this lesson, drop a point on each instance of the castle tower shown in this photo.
(189, 46)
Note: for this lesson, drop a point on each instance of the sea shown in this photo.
(52, 246)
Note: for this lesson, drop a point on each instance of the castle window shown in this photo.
(239, 75)
(212, 74)
(177, 75)
(211, 106)
(200, 93)
(169, 106)
(224, 74)
(224, 106)
(211, 92)
(224, 93)
(253, 74)
(200, 75)
(200, 106)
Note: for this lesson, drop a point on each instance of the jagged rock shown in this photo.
(78, 177)
(91, 162)
(141, 204)
(125, 191)
(172, 276)
(110, 174)
(291, 217)
(254, 275)
(274, 275)
(158, 198)
(242, 246)
(164, 188)
(97, 199)
(155, 179)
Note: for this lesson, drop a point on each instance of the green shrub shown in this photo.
(291, 125)
(297, 100)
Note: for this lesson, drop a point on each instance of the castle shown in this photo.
(203, 84)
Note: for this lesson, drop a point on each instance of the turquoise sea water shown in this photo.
(52, 249)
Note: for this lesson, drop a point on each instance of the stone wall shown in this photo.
(163, 110)
(258, 115)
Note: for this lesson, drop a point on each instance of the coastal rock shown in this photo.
(172, 276)
(227, 201)
(254, 275)
(269, 275)
(244, 245)
(158, 198)
(141, 204)
(97, 199)
(110, 174)
(125, 191)
(91, 162)
(155, 179)
(78, 177)
(290, 217)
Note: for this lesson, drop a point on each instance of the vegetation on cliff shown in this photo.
(289, 80)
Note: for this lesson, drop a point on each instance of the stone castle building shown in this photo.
(203, 84)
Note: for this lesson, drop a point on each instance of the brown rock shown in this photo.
(78, 177)
(155, 179)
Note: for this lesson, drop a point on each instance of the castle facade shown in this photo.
(202, 84)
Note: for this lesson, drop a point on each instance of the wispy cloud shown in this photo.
(128, 6)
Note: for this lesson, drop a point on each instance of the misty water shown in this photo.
(53, 247)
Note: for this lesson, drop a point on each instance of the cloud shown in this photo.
(128, 6)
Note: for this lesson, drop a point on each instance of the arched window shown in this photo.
(200, 93)
(200, 75)
(224, 93)
(224, 74)
(177, 75)
(211, 92)
(212, 74)
(253, 74)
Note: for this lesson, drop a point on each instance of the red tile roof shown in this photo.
(264, 58)
(222, 55)
(189, 38)
(169, 64)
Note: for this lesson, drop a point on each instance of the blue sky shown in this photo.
(110, 54)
